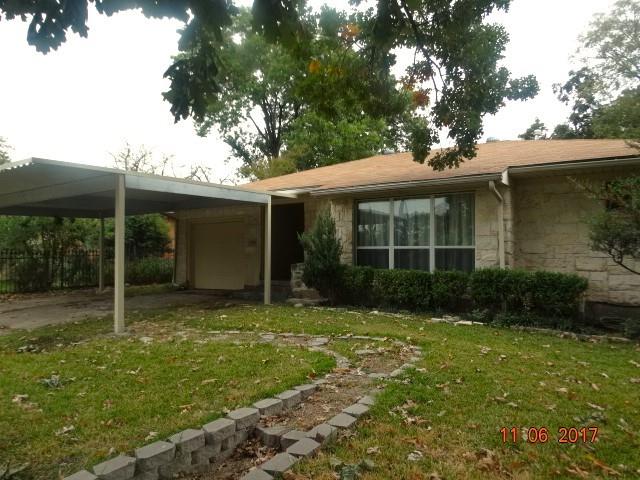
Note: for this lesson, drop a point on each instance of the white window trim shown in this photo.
(432, 247)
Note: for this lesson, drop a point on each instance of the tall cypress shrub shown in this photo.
(322, 251)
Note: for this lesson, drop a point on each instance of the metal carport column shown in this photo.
(119, 263)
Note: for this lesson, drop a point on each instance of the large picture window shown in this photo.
(428, 233)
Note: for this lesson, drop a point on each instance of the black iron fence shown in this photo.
(39, 271)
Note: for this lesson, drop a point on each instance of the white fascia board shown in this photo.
(196, 189)
(411, 184)
(577, 165)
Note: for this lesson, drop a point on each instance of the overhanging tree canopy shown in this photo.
(455, 68)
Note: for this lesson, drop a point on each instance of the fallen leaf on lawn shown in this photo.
(512, 404)
(604, 375)
(415, 456)
(584, 364)
(208, 380)
(64, 430)
(634, 380)
(503, 398)
(633, 362)
(595, 387)
(562, 390)
(434, 476)
(604, 467)
(373, 450)
(597, 407)
(577, 471)
(151, 436)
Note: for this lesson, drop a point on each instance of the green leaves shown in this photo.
(322, 250)
(616, 230)
(222, 79)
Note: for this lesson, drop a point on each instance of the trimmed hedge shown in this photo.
(533, 297)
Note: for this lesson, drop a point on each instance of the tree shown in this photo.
(612, 46)
(274, 103)
(455, 72)
(582, 91)
(141, 159)
(4, 151)
(616, 230)
(620, 118)
(536, 131)
(322, 249)
(610, 53)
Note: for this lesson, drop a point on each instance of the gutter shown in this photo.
(612, 162)
(496, 193)
(377, 187)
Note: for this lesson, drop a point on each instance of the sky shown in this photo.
(84, 101)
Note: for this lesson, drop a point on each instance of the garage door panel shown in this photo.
(218, 255)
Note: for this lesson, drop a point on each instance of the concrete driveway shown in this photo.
(32, 311)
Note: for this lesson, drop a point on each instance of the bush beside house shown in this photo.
(506, 296)
(540, 298)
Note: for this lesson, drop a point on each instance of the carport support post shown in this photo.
(101, 258)
(118, 281)
(267, 252)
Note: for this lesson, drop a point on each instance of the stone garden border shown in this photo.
(198, 450)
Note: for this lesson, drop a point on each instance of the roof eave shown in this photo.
(576, 165)
(466, 179)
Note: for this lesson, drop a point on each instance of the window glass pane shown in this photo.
(373, 224)
(412, 259)
(411, 222)
(377, 258)
(455, 259)
(454, 220)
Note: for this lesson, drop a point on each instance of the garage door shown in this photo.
(218, 255)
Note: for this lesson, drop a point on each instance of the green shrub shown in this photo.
(509, 297)
(557, 294)
(149, 270)
(322, 248)
(356, 286)
(402, 289)
(485, 288)
(32, 274)
(547, 295)
(448, 290)
(632, 328)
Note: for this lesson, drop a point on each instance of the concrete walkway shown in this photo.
(37, 310)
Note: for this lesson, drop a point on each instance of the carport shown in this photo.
(51, 188)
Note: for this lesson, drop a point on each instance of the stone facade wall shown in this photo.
(486, 228)
(342, 213)
(252, 217)
(552, 234)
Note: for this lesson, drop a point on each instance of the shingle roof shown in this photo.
(492, 158)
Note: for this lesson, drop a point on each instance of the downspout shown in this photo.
(496, 193)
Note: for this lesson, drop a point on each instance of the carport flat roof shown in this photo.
(42, 187)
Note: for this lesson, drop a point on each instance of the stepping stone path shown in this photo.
(201, 450)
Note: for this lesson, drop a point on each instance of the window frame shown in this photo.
(432, 247)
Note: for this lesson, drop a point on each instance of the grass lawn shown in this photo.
(115, 391)
(447, 414)
(473, 381)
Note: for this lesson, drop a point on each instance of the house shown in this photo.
(513, 206)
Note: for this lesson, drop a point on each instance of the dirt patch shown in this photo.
(338, 390)
(28, 311)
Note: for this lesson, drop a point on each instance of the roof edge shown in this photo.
(409, 184)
